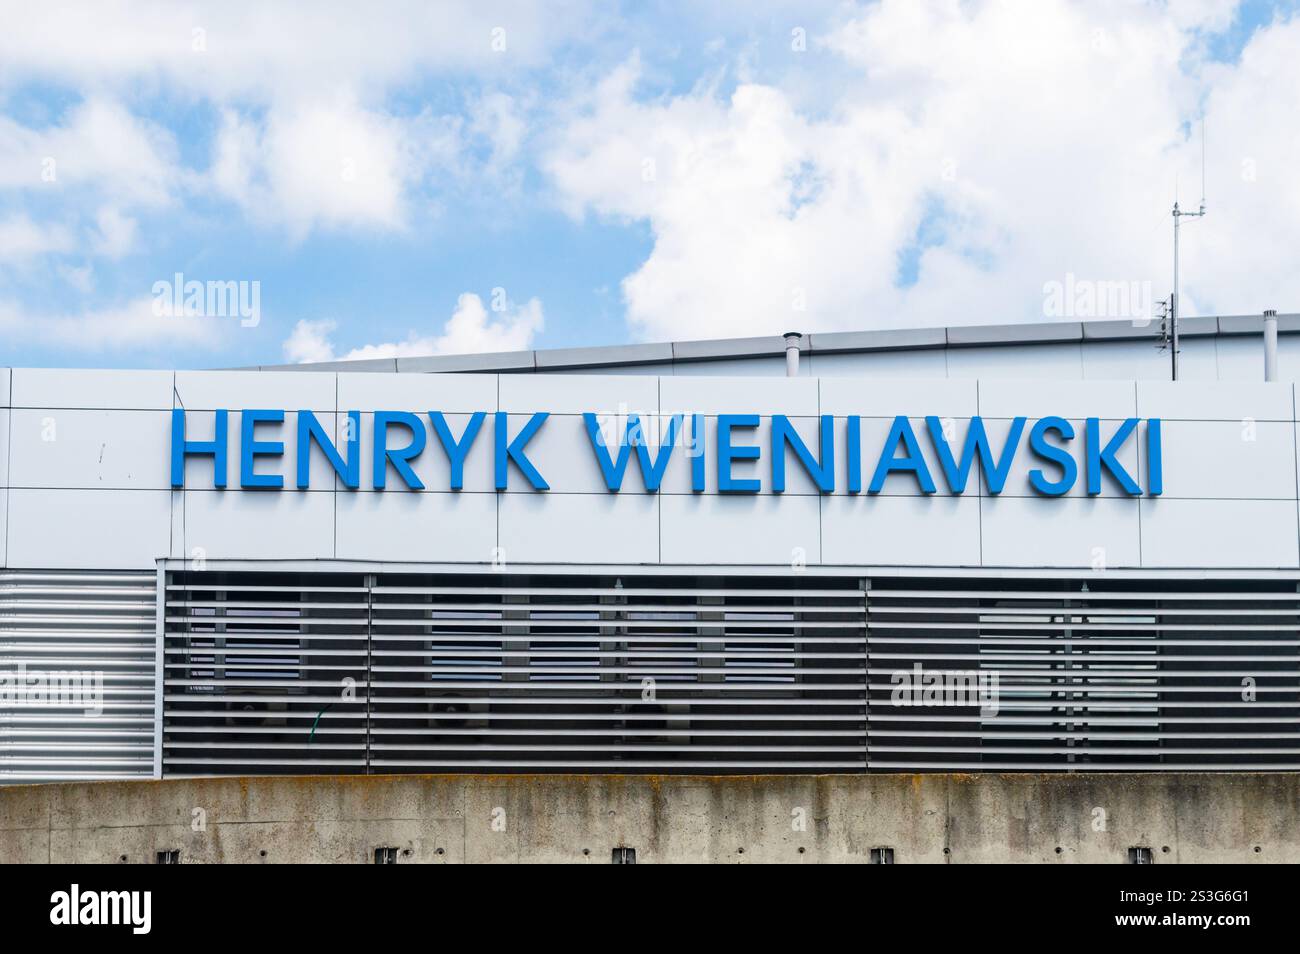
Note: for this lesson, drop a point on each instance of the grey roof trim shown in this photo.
(902, 339)
(711, 350)
(610, 355)
(1147, 328)
(891, 339)
(1193, 327)
(367, 364)
(492, 361)
(1254, 324)
(1118, 330)
(1016, 334)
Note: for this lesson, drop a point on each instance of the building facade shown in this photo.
(967, 549)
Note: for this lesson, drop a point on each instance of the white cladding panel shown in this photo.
(740, 529)
(87, 529)
(421, 393)
(407, 527)
(1051, 361)
(259, 524)
(903, 531)
(1069, 399)
(578, 528)
(1219, 533)
(913, 397)
(70, 448)
(61, 388)
(85, 461)
(1096, 532)
(5, 414)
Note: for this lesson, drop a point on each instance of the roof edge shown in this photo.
(774, 346)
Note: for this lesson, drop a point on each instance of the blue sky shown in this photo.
(401, 180)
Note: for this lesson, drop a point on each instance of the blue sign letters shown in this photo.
(400, 438)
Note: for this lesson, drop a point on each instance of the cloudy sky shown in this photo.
(419, 178)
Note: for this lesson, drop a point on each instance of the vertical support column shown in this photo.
(369, 581)
(609, 637)
(1069, 696)
(712, 646)
(159, 666)
(515, 651)
(612, 640)
(712, 638)
(866, 675)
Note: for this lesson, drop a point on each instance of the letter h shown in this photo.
(181, 448)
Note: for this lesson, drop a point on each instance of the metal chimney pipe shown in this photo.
(792, 339)
(1270, 345)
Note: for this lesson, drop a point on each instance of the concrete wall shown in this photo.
(84, 476)
(1051, 819)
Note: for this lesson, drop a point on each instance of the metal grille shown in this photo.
(77, 657)
(265, 673)
(413, 672)
(1108, 674)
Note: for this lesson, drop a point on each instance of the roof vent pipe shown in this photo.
(1270, 345)
(792, 339)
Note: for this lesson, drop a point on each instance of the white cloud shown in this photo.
(230, 50)
(990, 146)
(22, 239)
(99, 154)
(500, 123)
(80, 277)
(99, 145)
(115, 233)
(309, 136)
(469, 330)
(309, 342)
(1242, 255)
(329, 164)
(132, 326)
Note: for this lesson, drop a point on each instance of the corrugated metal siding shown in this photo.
(100, 623)
(653, 672)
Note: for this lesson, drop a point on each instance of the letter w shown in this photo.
(652, 471)
(977, 442)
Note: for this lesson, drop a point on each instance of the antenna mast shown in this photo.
(1173, 297)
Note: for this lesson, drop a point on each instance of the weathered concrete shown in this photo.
(558, 818)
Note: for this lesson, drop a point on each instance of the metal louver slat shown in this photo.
(485, 672)
(77, 654)
(283, 672)
(641, 674)
(265, 672)
(1109, 674)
